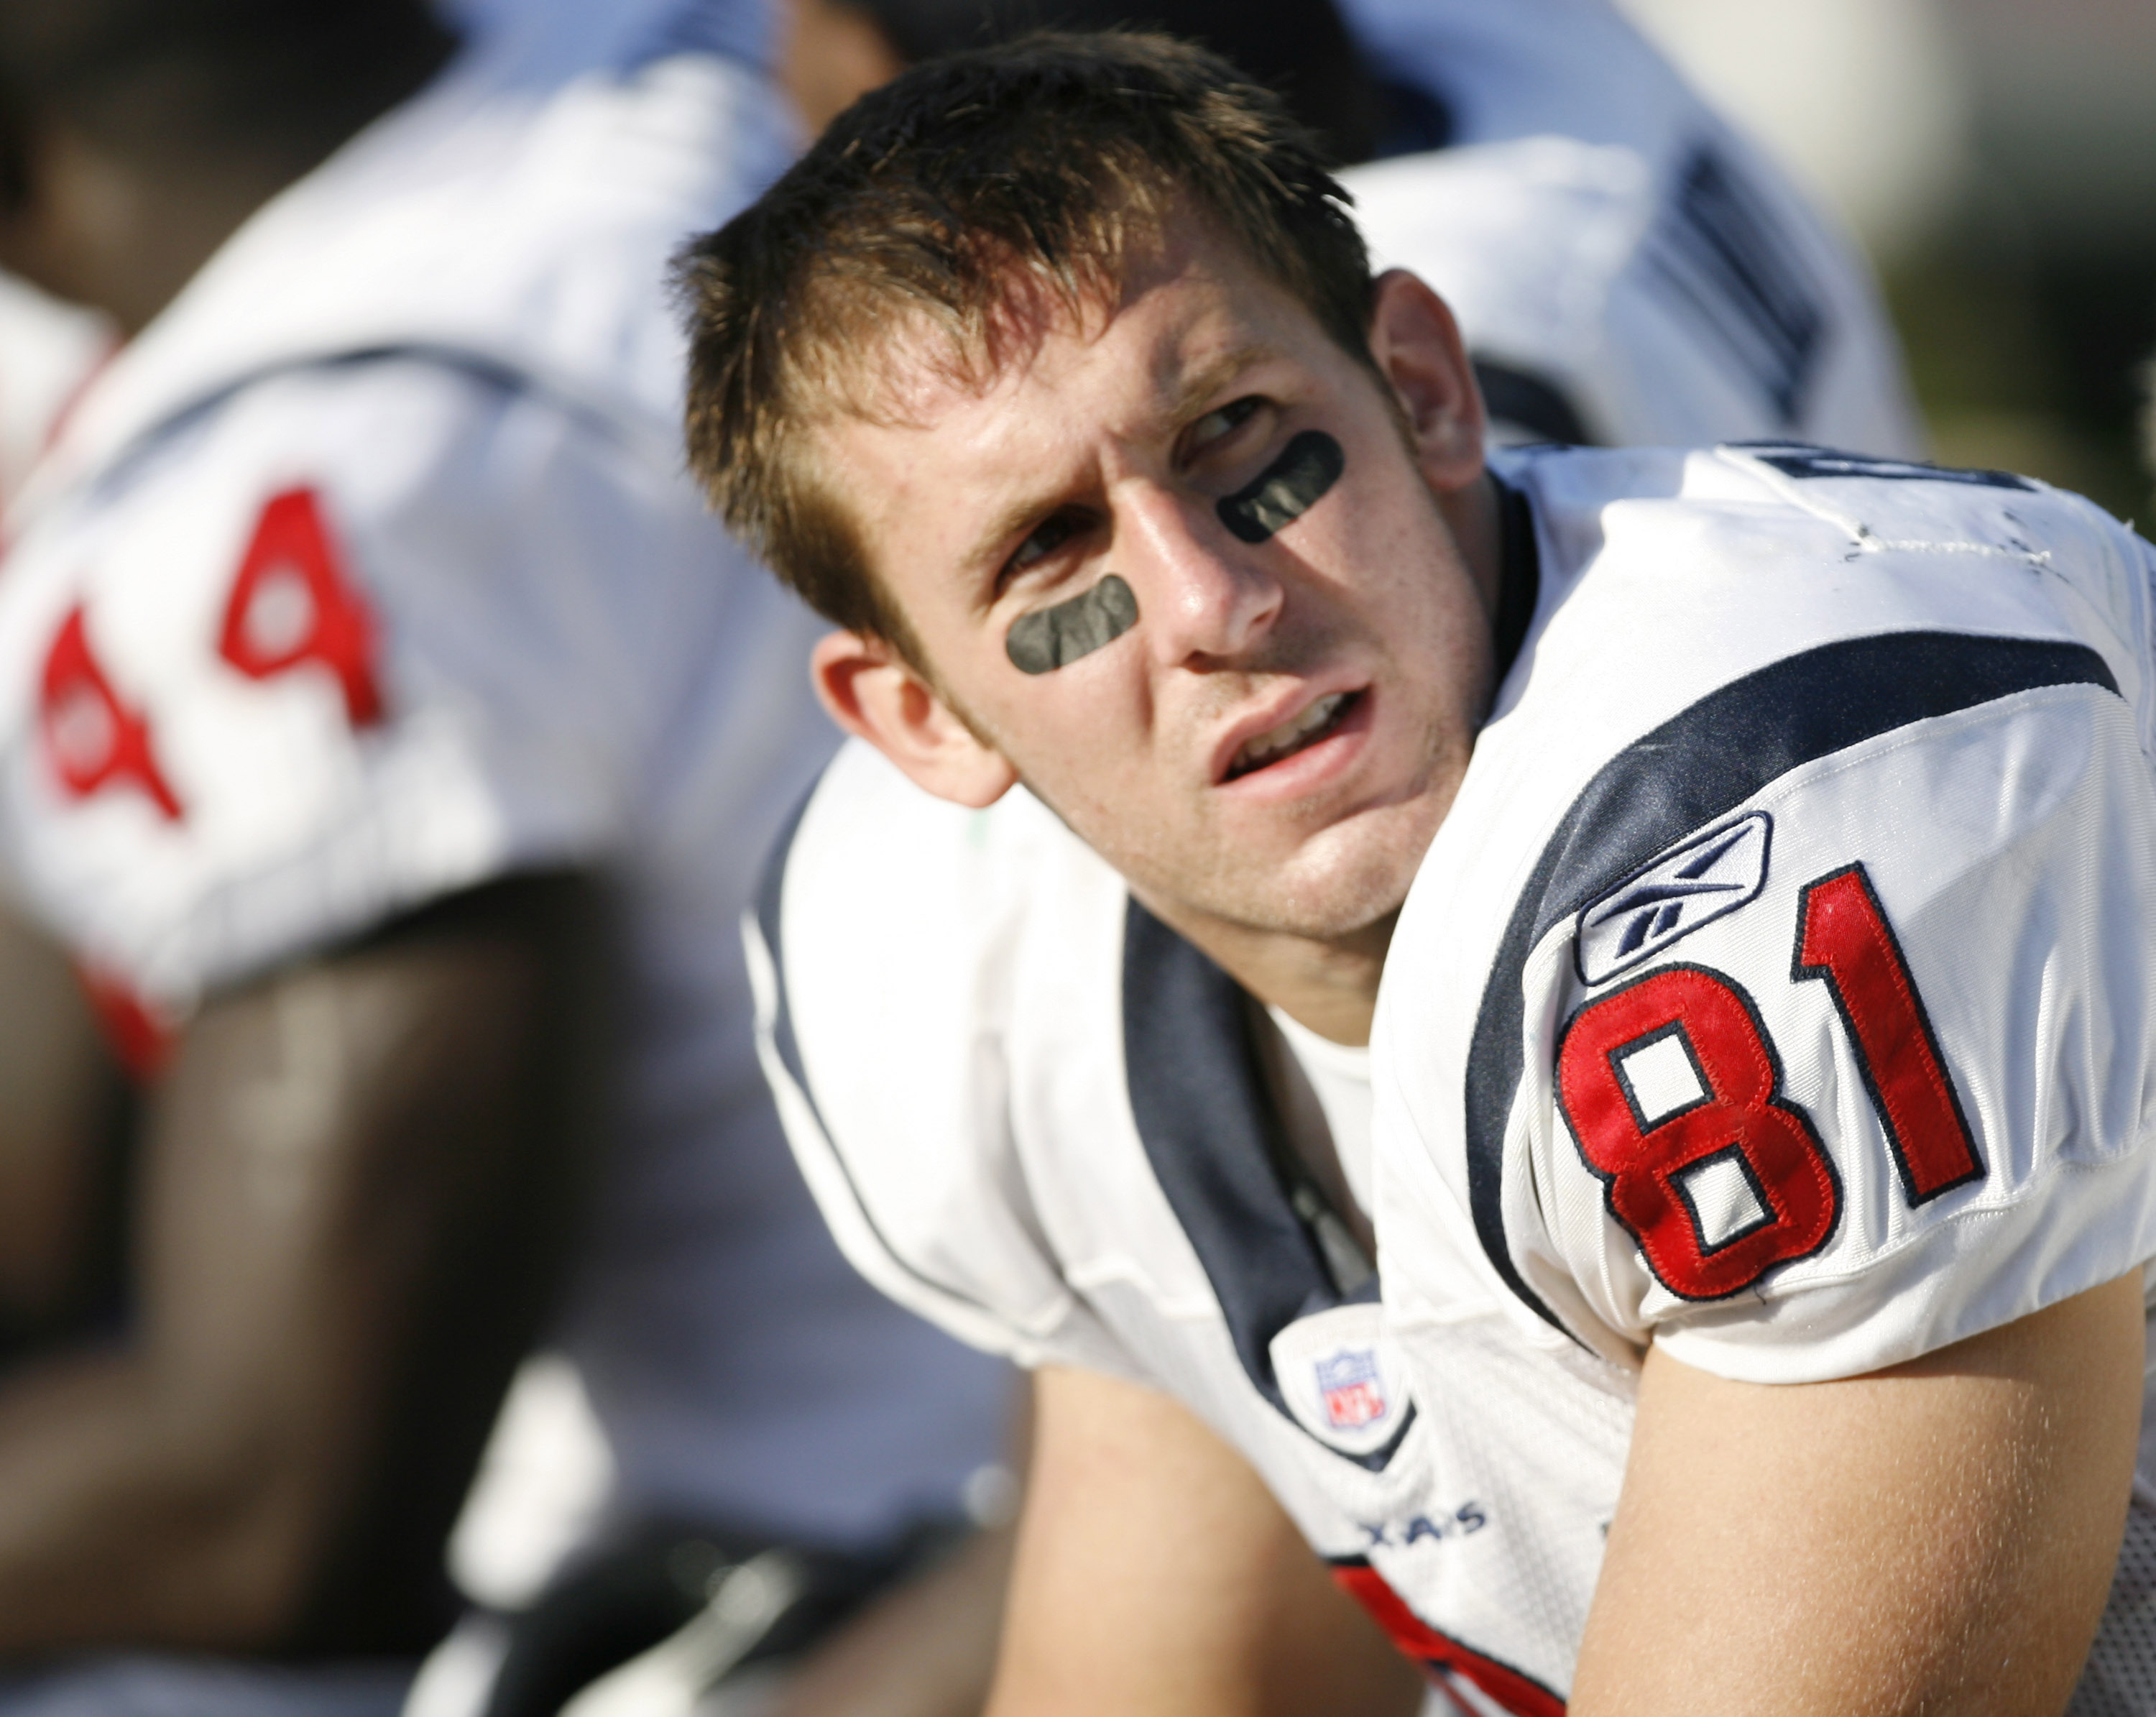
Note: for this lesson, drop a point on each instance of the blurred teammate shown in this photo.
(48, 352)
(1772, 1004)
(1627, 270)
(388, 737)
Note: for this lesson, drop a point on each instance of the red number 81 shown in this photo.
(1738, 1115)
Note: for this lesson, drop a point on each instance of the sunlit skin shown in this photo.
(1104, 445)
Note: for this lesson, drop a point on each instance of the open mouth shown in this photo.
(1297, 733)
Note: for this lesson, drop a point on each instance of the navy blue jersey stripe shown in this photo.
(1213, 1135)
(1206, 1122)
(1694, 769)
(484, 368)
(1718, 245)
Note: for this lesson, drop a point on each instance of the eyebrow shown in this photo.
(1179, 403)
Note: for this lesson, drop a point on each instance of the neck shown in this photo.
(133, 235)
(1329, 984)
(124, 226)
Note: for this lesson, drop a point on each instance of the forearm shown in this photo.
(129, 1517)
(1156, 1576)
(353, 1206)
(1936, 1538)
(63, 1106)
(926, 1649)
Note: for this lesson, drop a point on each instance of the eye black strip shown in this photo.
(1286, 489)
(1051, 638)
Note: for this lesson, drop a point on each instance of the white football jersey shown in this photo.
(1627, 270)
(369, 572)
(48, 351)
(1818, 794)
(1036, 1115)
(1780, 986)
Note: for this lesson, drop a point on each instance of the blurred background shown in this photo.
(1998, 160)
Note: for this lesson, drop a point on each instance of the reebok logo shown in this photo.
(1705, 879)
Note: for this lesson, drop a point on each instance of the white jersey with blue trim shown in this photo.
(1778, 989)
(368, 572)
(1035, 1115)
(1039, 1116)
(48, 351)
(1628, 270)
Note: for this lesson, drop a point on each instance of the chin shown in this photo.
(1334, 896)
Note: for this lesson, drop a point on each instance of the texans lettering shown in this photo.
(1468, 1517)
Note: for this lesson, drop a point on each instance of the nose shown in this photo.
(1201, 594)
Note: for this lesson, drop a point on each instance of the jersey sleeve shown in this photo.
(1610, 298)
(1808, 1023)
(354, 638)
(880, 950)
(1868, 1065)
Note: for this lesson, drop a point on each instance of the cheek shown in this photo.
(1078, 735)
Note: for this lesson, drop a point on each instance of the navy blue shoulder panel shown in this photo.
(1695, 768)
(1213, 1135)
(1203, 1115)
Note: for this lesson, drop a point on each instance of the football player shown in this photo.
(48, 352)
(389, 736)
(1758, 846)
(1625, 268)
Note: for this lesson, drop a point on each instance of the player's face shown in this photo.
(1182, 570)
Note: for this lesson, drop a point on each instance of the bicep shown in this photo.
(1156, 1574)
(62, 1106)
(359, 1173)
(1938, 1536)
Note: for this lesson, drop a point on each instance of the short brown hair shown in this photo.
(962, 195)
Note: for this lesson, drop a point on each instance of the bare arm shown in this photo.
(1938, 1537)
(63, 1106)
(924, 1649)
(356, 1181)
(1157, 1577)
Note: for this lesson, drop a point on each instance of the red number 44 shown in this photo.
(1672, 1087)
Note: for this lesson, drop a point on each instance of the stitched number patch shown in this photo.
(93, 740)
(1842, 937)
(292, 604)
(1673, 1091)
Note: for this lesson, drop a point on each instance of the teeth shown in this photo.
(1271, 747)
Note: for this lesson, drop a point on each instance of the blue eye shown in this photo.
(1216, 425)
(1058, 529)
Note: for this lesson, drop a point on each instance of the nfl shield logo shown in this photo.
(1353, 1392)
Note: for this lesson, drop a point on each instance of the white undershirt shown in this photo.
(1339, 1074)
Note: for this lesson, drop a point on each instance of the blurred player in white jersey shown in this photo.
(1627, 270)
(48, 352)
(388, 736)
(1757, 847)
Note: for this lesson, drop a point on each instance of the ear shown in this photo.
(874, 695)
(1419, 350)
